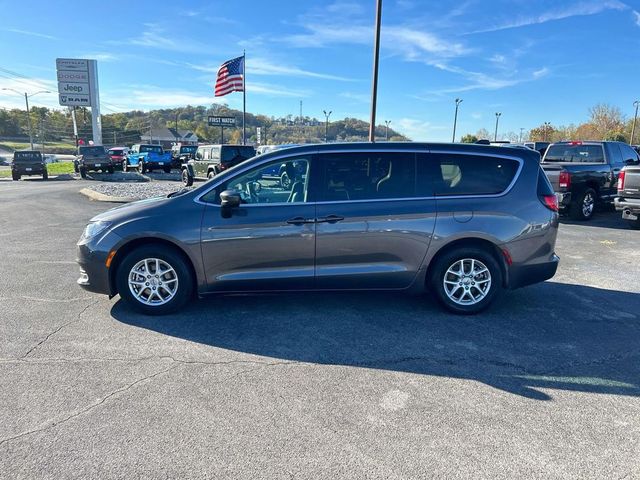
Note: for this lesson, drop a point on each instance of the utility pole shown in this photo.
(115, 138)
(495, 136)
(635, 118)
(326, 125)
(374, 83)
(546, 128)
(386, 132)
(455, 119)
(177, 115)
(26, 101)
(521, 133)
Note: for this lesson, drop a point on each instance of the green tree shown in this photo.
(468, 138)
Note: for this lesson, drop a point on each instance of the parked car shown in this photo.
(181, 154)
(92, 158)
(540, 147)
(28, 162)
(213, 159)
(585, 174)
(118, 155)
(462, 221)
(628, 199)
(145, 158)
(262, 149)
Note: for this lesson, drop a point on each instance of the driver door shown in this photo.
(268, 243)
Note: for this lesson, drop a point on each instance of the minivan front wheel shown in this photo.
(467, 280)
(154, 280)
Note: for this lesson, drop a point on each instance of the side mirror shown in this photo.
(229, 199)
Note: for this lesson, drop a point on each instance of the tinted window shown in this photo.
(574, 153)
(188, 149)
(233, 153)
(628, 153)
(91, 150)
(151, 148)
(266, 184)
(27, 156)
(473, 175)
(616, 154)
(367, 176)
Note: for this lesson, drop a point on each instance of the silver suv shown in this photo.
(464, 222)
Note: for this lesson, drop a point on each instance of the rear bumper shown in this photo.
(524, 275)
(564, 199)
(630, 207)
(36, 170)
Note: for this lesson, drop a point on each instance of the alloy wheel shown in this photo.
(467, 281)
(153, 281)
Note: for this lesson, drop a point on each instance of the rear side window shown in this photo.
(367, 176)
(628, 153)
(473, 175)
(544, 186)
(572, 153)
(234, 153)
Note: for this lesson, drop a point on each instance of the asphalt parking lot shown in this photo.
(544, 385)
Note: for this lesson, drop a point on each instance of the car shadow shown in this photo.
(548, 336)
(603, 218)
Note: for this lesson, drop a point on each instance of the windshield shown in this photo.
(150, 148)
(575, 153)
(91, 150)
(116, 152)
(27, 157)
(232, 152)
(189, 149)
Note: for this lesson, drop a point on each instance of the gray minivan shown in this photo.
(462, 221)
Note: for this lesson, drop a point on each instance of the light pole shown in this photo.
(635, 117)
(521, 132)
(26, 101)
(455, 119)
(386, 132)
(546, 130)
(374, 83)
(326, 125)
(495, 135)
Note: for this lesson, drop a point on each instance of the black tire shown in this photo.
(174, 259)
(142, 169)
(210, 174)
(186, 178)
(448, 260)
(15, 176)
(125, 166)
(166, 169)
(45, 175)
(75, 167)
(110, 170)
(580, 209)
(83, 172)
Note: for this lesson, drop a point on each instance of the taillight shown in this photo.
(565, 179)
(550, 201)
(621, 181)
(223, 166)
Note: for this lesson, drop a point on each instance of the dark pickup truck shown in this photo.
(28, 162)
(584, 174)
(628, 199)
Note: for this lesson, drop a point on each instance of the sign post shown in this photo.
(78, 86)
(216, 121)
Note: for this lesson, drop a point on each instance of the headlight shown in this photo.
(95, 228)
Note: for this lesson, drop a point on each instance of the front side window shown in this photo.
(473, 174)
(276, 182)
(367, 176)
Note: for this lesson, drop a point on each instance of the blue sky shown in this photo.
(533, 61)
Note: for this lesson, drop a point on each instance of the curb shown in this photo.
(101, 197)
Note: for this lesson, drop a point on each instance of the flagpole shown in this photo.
(244, 97)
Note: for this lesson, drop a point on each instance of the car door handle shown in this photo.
(300, 221)
(330, 219)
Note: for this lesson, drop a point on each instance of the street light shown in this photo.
(635, 117)
(495, 136)
(326, 125)
(546, 128)
(386, 132)
(455, 119)
(521, 132)
(26, 101)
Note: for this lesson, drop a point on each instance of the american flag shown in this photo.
(230, 77)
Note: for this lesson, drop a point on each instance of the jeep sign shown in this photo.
(73, 88)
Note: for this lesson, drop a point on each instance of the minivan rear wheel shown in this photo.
(154, 280)
(467, 280)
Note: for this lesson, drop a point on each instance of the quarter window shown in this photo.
(367, 176)
(473, 174)
(277, 182)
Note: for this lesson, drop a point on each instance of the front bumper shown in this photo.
(523, 275)
(91, 257)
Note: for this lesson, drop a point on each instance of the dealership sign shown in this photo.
(215, 121)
